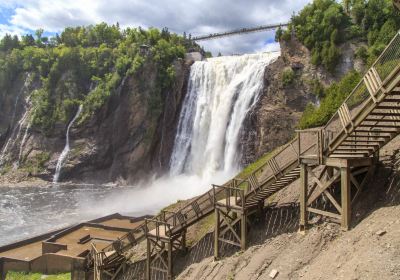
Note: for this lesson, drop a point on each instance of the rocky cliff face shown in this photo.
(132, 135)
(127, 138)
(272, 122)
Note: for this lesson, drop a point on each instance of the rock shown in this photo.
(380, 232)
(273, 273)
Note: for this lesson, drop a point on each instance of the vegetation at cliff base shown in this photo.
(335, 94)
(86, 65)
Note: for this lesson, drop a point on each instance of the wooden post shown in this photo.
(243, 229)
(216, 235)
(169, 276)
(184, 241)
(346, 197)
(303, 197)
(148, 260)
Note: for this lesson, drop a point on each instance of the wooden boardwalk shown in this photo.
(344, 151)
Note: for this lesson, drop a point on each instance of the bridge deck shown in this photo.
(239, 31)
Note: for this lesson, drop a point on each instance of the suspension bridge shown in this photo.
(238, 31)
(333, 163)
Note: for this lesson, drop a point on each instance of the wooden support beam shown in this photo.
(324, 213)
(170, 272)
(243, 230)
(345, 197)
(303, 197)
(148, 260)
(216, 234)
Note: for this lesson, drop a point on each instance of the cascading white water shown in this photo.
(66, 150)
(220, 93)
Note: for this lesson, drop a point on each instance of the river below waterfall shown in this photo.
(29, 211)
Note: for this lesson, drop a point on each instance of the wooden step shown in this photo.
(354, 142)
(389, 107)
(347, 153)
(379, 121)
(380, 125)
(376, 131)
(377, 135)
(385, 114)
(355, 149)
(360, 145)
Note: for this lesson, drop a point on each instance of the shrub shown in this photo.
(288, 76)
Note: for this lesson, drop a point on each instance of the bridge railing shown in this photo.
(366, 90)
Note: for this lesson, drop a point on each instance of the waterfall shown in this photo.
(21, 92)
(221, 91)
(66, 150)
(16, 127)
(15, 134)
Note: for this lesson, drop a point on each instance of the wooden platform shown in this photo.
(57, 251)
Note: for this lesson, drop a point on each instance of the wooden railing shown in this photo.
(366, 92)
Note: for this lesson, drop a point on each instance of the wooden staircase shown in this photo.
(345, 148)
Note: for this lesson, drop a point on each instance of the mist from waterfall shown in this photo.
(221, 91)
(64, 153)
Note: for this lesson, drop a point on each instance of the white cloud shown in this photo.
(10, 29)
(193, 16)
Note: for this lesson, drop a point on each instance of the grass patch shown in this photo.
(201, 229)
(249, 169)
(11, 275)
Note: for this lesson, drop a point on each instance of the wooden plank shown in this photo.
(324, 213)
(229, 242)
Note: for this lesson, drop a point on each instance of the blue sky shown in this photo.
(193, 16)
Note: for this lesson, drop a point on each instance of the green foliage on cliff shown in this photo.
(335, 94)
(320, 26)
(324, 24)
(86, 65)
(287, 76)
